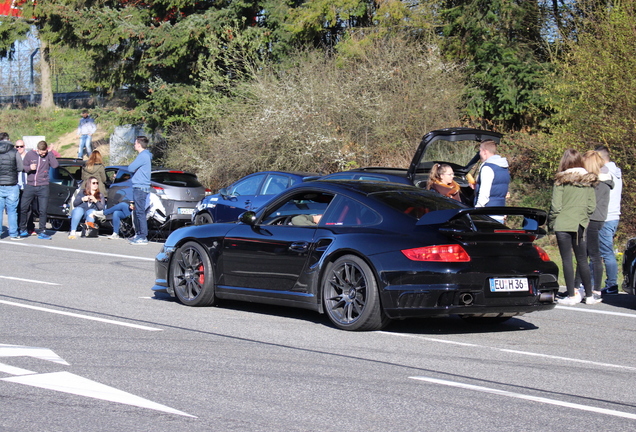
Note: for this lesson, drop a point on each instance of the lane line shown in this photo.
(80, 251)
(86, 317)
(28, 280)
(577, 309)
(593, 409)
(527, 353)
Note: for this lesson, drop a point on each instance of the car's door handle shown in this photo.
(299, 246)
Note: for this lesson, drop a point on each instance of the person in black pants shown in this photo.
(36, 164)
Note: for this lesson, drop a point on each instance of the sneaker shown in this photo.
(592, 300)
(72, 235)
(139, 241)
(581, 291)
(571, 301)
(23, 234)
(99, 214)
(33, 233)
(17, 238)
(44, 236)
(113, 236)
(613, 290)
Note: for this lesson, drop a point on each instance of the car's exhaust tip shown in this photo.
(547, 297)
(466, 299)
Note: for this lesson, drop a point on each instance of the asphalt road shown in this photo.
(85, 345)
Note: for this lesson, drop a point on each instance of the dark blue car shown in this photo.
(248, 193)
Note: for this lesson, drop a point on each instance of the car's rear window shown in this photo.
(179, 179)
(416, 203)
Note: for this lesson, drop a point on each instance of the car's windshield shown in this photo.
(172, 178)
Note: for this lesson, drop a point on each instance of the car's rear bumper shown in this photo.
(406, 301)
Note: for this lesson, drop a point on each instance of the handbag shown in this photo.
(90, 232)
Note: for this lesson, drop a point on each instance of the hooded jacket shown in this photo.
(573, 200)
(39, 176)
(492, 182)
(614, 206)
(10, 164)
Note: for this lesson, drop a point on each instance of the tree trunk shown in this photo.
(45, 77)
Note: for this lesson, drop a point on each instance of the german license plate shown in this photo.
(509, 284)
(187, 210)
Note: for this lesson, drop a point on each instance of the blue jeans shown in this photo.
(85, 142)
(140, 196)
(77, 215)
(119, 212)
(606, 244)
(9, 197)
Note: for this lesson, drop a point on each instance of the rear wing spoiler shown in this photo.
(533, 218)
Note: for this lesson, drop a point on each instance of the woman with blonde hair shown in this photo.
(594, 163)
(573, 202)
(94, 167)
(441, 179)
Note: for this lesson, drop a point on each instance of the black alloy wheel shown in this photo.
(203, 219)
(350, 295)
(191, 275)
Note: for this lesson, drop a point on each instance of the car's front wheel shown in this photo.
(350, 295)
(203, 219)
(192, 276)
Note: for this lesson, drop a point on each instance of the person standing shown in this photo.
(493, 178)
(94, 167)
(593, 163)
(36, 164)
(573, 201)
(607, 233)
(10, 168)
(85, 131)
(141, 167)
(22, 180)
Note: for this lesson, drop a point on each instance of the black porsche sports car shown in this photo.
(366, 253)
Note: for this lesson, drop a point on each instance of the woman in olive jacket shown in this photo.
(573, 201)
(94, 167)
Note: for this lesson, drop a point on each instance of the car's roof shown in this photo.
(361, 187)
(153, 169)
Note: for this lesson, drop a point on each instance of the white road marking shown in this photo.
(67, 382)
(86, 317)
(81, 251)
(35, 352)
(528, 353)
(28, 280)
(527, 397)
(596, 311)
(12, 370)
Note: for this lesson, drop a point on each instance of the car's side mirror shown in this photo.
(248, 218)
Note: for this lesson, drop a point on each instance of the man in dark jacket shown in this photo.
(10, 166)
(36, 164)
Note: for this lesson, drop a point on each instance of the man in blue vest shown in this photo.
(493, 178)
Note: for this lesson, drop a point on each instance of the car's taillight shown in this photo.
(439, 253)
(542, 254)
(208, 192)
(159, 190)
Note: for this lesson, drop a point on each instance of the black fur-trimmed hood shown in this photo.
(576, 177)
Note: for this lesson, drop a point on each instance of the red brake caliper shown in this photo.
(201, 274)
